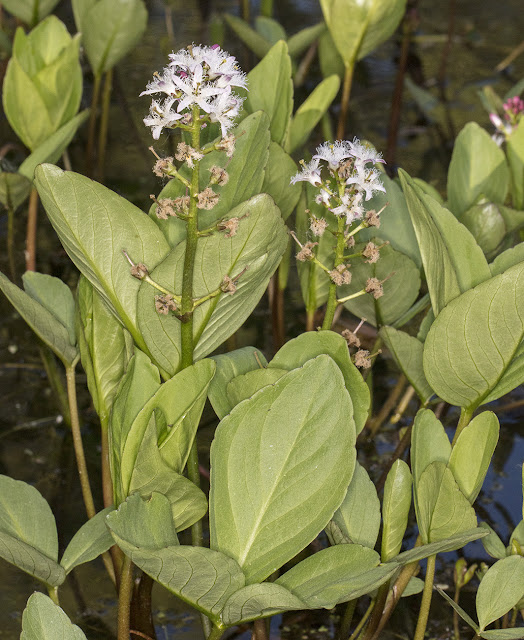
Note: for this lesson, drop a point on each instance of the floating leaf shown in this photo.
(255, 462)
(478, 167)
(91, 540)
(472, 354)
(44, 620)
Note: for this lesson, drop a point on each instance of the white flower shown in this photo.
(161, 116)
(366, 180)
(310, 173)
(364, 153)
(162, 84)
(224, 108)
(351, 207)
(323, 198)
(333, 153)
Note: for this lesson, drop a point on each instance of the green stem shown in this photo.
(363, 621)
(124, 599)
(30, 242)
(426, 599)
(104, 122)
(53, 594)
(378, 610)
(266, 8)
(56, 381)
(92, 125)
(216, 633)
(77, 441)
(465, 417)
(11, 241)
(245, 9)
(346, 91)
(345, 625)
(339, 259)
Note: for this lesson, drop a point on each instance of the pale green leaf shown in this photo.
(450, 543)
(95, 225)
(473, 353)
(255, 462)
(30, 11)
(300, 350)
(300, 41)
(229, 366)
(92, 539)
(515, 154)
(395, 509)
(500, 589)
(407, 352)
(257, 43)
(14, 189)
(270, 29)
(246, 385)
(44, 620)
(279, 170)
(492, 544)
(429, 443)
(486, 224)
(472, 453)
(459, 610)
(258, 601)
(257, 246)
(503, 634)
(478, 167)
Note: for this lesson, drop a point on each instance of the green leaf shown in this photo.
(229, 366)
(28, 537)
(104, 347)
(258, 601)
(395, 222)
(310, 112)
(14, 189)
(257, 43)
(429, 443)
(407, 352)
(472, 453)
(270, 29)
(401, 286)
(452, 260)
(331, 62)
(254, 461)
(450, 543)
(358, 27)
(30, 11)
(54, 146)
(111, 29)
(279, 170)
(486, 224)
(258, 246)
(358, 517)
(507, 259)
(515, 154)
(335, 575)
(203, 578)
(492, 544)
(55, 296)
(246, 385)
(95, 225)
(395, 509)
(415, 585)
(500, 589)
(300, 41)
(459, 610)
(44, 620)
(478, 167)
(271, 90)
(176, 407)
(472, 354)
(147, 524)
(246, 176)
(91, 540)
(309, 345)
(46, 326)
(503, 634)
(442, 510)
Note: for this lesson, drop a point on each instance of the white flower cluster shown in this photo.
(198, 75)
(347, 164)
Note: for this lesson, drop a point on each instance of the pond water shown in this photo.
(35, 446)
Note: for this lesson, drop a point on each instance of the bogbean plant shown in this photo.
(159, 294)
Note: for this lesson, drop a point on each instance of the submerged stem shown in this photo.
(426, 599)
(124, 599)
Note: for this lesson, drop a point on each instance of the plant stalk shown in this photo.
(92, 125)
(363, 621)
(104, 124)
(124, 599)
(339, 259)
(216, 633)
(346, 92)
(56, 381)
(465, 417)
(53, 594)
(266, 8)
(426, 599)
(11, 242)
(345, 625)
(30, 243)
(77, 441)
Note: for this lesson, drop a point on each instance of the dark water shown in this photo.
(34, 445)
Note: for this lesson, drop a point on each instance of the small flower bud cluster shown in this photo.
(349, 179)
(513, 112)
(199, 75)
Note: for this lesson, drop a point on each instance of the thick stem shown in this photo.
(260, 630)
(141, 616)
(345, 625)
(426, 599)
(346, 92)
(339, 259)
(124, 599)
(216, 633)
(465, 417)
(92, 126)
(30, 242)
(363, 621)
(77, 442)
(107, 483)
(104, 123)
(11, 242)
(378, 610)
(53, 594)
(310, 320)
